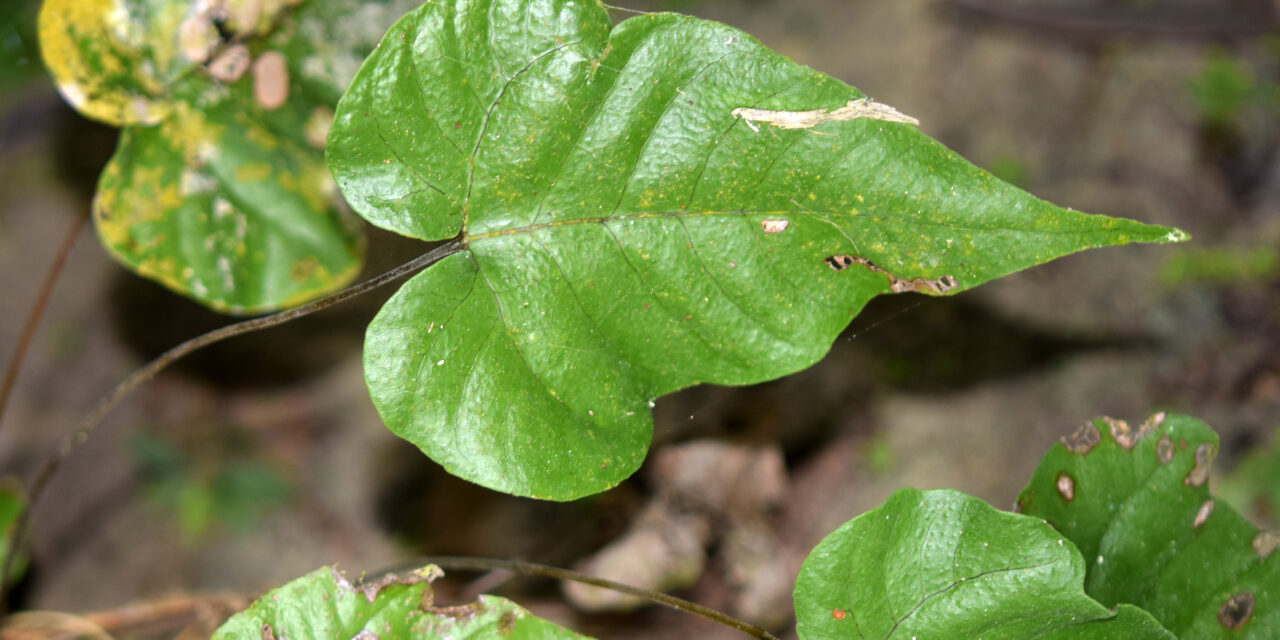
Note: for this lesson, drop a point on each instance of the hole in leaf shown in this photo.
(839, 263)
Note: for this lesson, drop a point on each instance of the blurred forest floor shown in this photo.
(261, 459)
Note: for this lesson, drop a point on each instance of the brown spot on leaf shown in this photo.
(506, 623)
(370, 590)
(1200, 472)
(1164, 449)
(1150, 424)
(231, 63)
(774, 226)
(1066, 486)
(267, 633)
(460, 613)
(304, 269)
(1082, 440)
(1202, 514)
(839, 262)
(1236, 610)
(839, 614)
(270, 79)
(1121, 432)
(1264, 543)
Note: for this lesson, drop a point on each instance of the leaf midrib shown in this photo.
(468, 239)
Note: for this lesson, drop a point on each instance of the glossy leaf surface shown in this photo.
(943, 565)
(1136, 501)
(324, 605)
(642, 208)
(218, 187)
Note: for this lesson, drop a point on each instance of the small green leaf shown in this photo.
(324, 605)
(1137, 504)
(942, 565)
(218, 188)
(643, 208)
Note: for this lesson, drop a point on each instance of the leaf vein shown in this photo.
(422, 99)
(488, 116)
(702, 264)
(635, 165)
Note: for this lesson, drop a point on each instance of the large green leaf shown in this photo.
(218, 188)
(1136, 502)
(635, 220)
(324, 605)
(942, 565)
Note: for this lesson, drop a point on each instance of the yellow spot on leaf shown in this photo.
(253, 172)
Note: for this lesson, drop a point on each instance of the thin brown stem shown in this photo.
(466, 563)
(167, 615)
(37, 311)
(148, 371)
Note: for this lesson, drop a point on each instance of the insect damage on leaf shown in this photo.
(774, 226)
(1121, 432)
(231, 64)
(839, 263)
(1082, 440)
(930, 286)
(859, 108)
(1066, 486)
(1236, 611)
(270, 79)
(1200, 472)
(1264, 543)
(370, 590)
(1203, 514)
